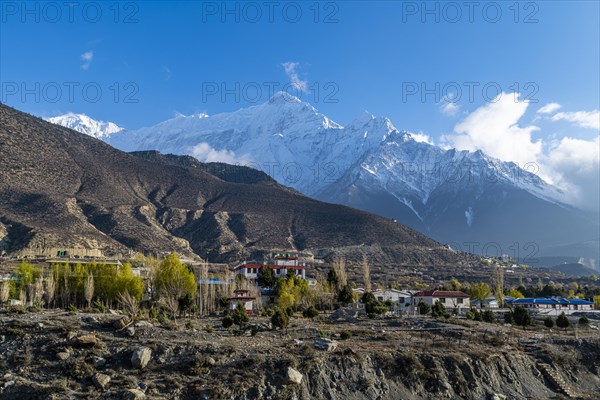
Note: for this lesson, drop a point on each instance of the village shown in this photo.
(257, 286)
(277, 327)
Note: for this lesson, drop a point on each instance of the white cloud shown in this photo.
(575, 167)
(290, 69)
(569, 163)
(167, 73)
(87, 59)
(585, 119)
(450, 109)
(421, 137)
(493, 128)
(549, 108)
(206, 153)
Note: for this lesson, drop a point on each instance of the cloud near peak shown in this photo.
(571, 164)
(290, 69)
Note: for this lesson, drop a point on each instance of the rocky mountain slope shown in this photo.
(456, 197)
(60, 188)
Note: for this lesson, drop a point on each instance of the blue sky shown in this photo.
(367, 52)
(152, 60)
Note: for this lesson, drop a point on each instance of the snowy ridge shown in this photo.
(84, 124)
(302, 148)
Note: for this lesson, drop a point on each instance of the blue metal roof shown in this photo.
(549, 300)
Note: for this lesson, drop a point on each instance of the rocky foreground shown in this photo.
(61, 355)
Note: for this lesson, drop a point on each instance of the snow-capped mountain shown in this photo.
(452, 196)
(84, 124)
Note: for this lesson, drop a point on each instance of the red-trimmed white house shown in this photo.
(449, 298)
(282, 264)
(242, 296)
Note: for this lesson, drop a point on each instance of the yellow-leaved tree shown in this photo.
(174, 279)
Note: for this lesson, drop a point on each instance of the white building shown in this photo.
(448, 298)
(282, 264)
(242, 296)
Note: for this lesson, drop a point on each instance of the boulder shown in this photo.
(63, 355)
(88, 340)
(99, 362)
(134, 394)
(141, 357)
(294, 376)
(130, 331)
(344, 314)
(101, 381)
(325, 344)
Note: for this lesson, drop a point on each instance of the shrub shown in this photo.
(345, 295)
(488, 316)
(470, 314)
(189, 324)
(280, 319)
(438, 309)
(98, 306)
(509, 318)
(153, 313)
(549, 322)
(522, 317)
(310, 312)
(268, 312)
(584, 320)
(162, 318)
(239, 316)
(424, 308)
(227, 322)
(289, 311)
(345, 334)
(71, 308)
(562, 321)
(209, 328)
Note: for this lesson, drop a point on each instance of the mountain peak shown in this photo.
(84, 124)
(283, 97)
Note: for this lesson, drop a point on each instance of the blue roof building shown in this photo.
(556, 303)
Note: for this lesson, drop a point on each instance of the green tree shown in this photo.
(454, 284)
(227, 322)
(310, 312)
(509, 318)
(424, 308)
(562, 321)
(584, 320)
(438, 309)
(345, 295)
(515, 294)
(488, 316)
(373, 306)
(280, 319)
(549, 322)
(522, 317)
(239, 316)
(480, 291)
(266, 277)
(332, 278)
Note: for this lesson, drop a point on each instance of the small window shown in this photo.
(460, 300)
(442, 300)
